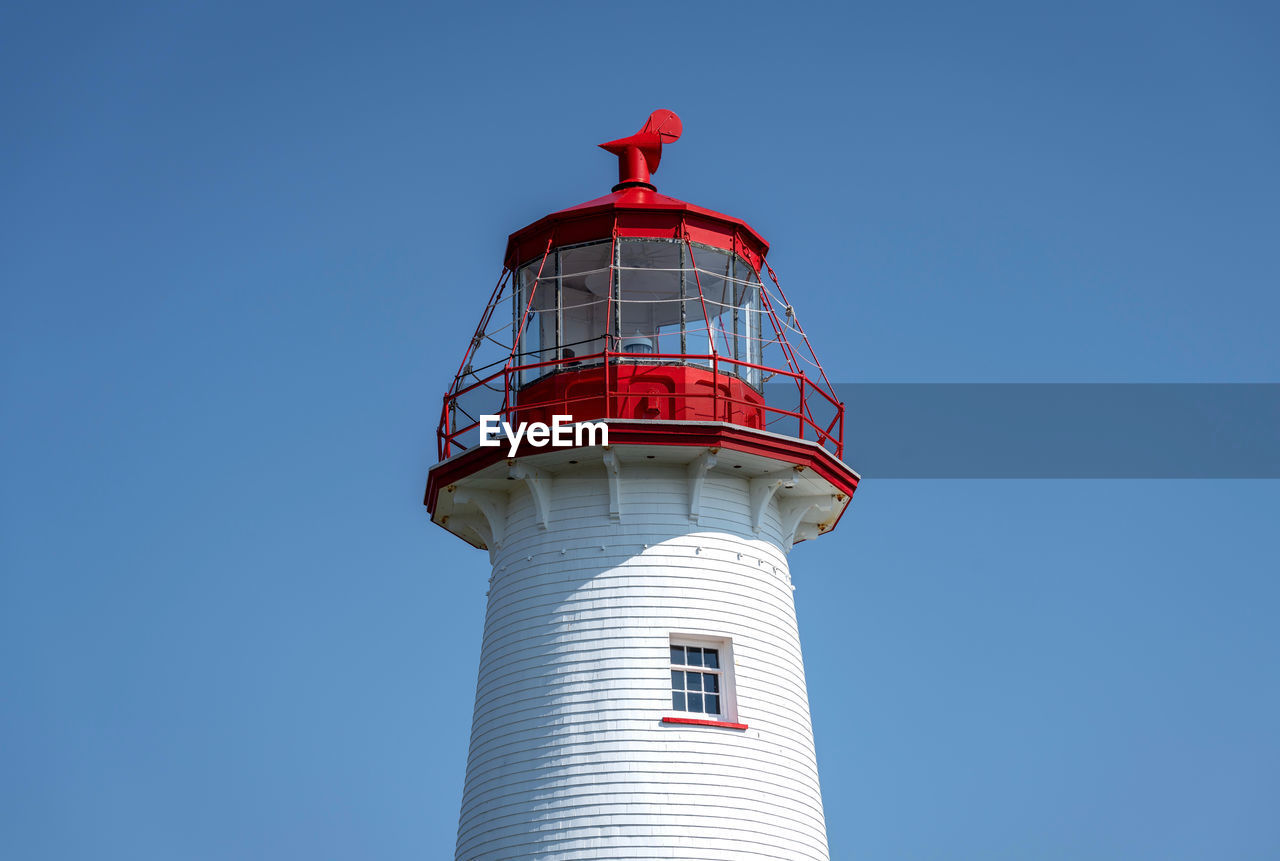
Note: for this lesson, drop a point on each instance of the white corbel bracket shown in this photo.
(763, 489)
(613, 473)
(698, 470)
(804, 532)
(476, 524)
(539, 483)
(793, 511)
(493, 505)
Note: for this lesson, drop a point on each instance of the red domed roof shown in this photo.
(636, 211)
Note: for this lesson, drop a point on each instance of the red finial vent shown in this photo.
(638, 155)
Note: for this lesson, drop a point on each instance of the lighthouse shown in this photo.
(638, 434)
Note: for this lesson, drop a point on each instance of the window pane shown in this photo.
(750, 321)
(677, 654)
(648, 292)
(677, 700)
(711, 683)
(693, 681)
(711, 658)
(677, 680)
(717, 305)
(713, 704)
(695, 656)
(587, 260)
(662, 254)
(713, 266)
(532, 289)
(584, 321)
(695, 702)
(584, 292)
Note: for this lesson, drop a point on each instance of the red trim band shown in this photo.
(723, 724)
(639, 212)
(796, 452)
(790, 450)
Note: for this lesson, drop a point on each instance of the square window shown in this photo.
(706, 690)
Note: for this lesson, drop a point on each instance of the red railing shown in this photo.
(460, 416)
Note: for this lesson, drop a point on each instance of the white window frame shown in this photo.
(728, 689)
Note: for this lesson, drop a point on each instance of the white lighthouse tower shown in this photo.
(641, 692)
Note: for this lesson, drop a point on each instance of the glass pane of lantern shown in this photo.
(702, 314)
(713, 270)
(535, 310)
(520, 297)
(529, 338)
(710, 309)
(750, 321)
(583, 260)
(648, 290)
(669, 309)
(540, 328)
(650, 254)
(584, 292)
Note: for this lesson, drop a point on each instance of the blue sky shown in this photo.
(242, 245)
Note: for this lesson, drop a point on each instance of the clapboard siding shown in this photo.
(568, 756)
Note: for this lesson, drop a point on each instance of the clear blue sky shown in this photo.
(242, 245)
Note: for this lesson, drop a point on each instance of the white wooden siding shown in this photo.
(568, 756)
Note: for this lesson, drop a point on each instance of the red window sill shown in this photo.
(723, 724)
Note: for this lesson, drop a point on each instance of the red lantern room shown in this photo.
(661, 318)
